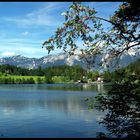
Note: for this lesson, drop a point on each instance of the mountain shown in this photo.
(19, 61)
(46, 61)
(64, 59)
(123, 61)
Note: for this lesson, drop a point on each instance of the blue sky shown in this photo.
(24, 26)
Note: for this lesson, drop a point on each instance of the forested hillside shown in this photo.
(131, 69)
(13, 74)
(65, 73)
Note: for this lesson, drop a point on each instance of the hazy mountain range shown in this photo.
(46, 61)
(64, 59)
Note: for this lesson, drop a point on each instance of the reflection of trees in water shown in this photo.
(19, 104)
(63, 103)
(101, 88)
(123, 105)
(66, 87)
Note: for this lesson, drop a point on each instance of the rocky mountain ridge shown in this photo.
(63, 59)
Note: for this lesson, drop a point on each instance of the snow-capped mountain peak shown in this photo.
(64, 59)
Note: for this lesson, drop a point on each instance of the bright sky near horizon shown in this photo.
(24, 26)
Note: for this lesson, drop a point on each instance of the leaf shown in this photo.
(66, 17)
(46, 42)
(96, 36)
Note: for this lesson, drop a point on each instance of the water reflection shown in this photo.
(65, 87)
(17, 98)
(45, 111)
(12, 99)
(122, 104)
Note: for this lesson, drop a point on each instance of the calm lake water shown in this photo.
(54, 110)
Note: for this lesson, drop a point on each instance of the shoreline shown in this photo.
(67, 83)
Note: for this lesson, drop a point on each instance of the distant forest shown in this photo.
(63, 73)
(51, 74)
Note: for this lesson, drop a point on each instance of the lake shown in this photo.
(49, 110)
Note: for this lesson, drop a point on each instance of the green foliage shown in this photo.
(81, 23)
(66, 73)
(1, 74)
(60, 79)
(30, 81)
(122, 106)
(13, 70)
(122, 73)
(39, 71)
(134, 67)
(107, 76)
(69, 72)
(12, 80)
(125, 28)
(48, 79)
(40, 80)
(62, 73)
(93, 75)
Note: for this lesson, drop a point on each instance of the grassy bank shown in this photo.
(35, 78)
(16, 79)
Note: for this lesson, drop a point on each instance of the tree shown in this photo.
(48, 79)
(40, 71)
(77, 26)
(39, 80)
(82, 22)
(122, 106)
(107, 76)
(124, 33)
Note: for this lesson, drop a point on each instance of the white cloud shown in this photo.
(7, 54)
(26, 33)
(43, 16)
(26, 47)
